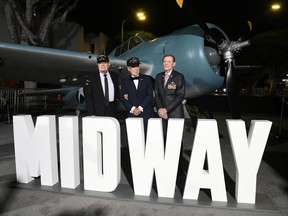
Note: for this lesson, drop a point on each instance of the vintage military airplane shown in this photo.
(205, 64)
(203, 51)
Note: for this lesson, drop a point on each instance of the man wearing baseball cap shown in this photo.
(101, 90)
(136, 93)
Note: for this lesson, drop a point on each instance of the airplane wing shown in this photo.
(72, 96)
(45, 65)
(55, 91)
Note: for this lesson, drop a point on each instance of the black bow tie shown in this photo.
(134, 78)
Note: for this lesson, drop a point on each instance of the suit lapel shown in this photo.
(132, 84)
(163, 79)
(140, 82)
(98, 83)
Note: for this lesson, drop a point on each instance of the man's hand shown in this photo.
(136, 111)
(162, 112)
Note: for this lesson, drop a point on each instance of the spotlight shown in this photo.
(63, 80)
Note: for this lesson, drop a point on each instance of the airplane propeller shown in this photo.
(224, 48)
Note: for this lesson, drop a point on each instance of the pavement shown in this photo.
(272, 188)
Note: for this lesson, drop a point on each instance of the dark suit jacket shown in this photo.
(94, 95)
(143, 96)
(171, 95)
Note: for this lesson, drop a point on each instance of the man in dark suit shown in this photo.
(136, 92)
(101, 94)
(169, 90)
(169, 95)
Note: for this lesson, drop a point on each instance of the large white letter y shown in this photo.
(247, 155)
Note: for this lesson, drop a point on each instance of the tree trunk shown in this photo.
(29, 25)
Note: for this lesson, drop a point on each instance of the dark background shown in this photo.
(165, 16)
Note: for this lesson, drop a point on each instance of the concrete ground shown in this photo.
(272, 190)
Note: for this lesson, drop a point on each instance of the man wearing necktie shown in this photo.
(169, 90)
(169, 95)
(101, 90)
(136, 93)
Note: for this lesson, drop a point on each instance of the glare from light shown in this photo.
(62, 80)
(275, 7)
(141, 16)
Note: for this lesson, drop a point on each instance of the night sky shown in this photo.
(164, 16)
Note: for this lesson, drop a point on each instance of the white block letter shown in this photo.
(145, 159)
(69, 151)
(101, 153)
(34, 147)
(206, 141)
(247, 155)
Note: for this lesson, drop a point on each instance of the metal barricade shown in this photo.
(12, 102)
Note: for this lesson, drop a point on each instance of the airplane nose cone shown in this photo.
(212, 56)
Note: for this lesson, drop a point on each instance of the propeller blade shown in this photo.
(227, 50)
(233, 90)
(192, 14)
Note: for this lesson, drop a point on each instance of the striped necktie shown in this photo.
(166, 78)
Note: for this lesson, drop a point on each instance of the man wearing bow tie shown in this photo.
(136, 93)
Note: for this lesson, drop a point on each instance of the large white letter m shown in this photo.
(35, 149)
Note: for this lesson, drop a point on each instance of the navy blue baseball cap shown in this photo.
(133, 62)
